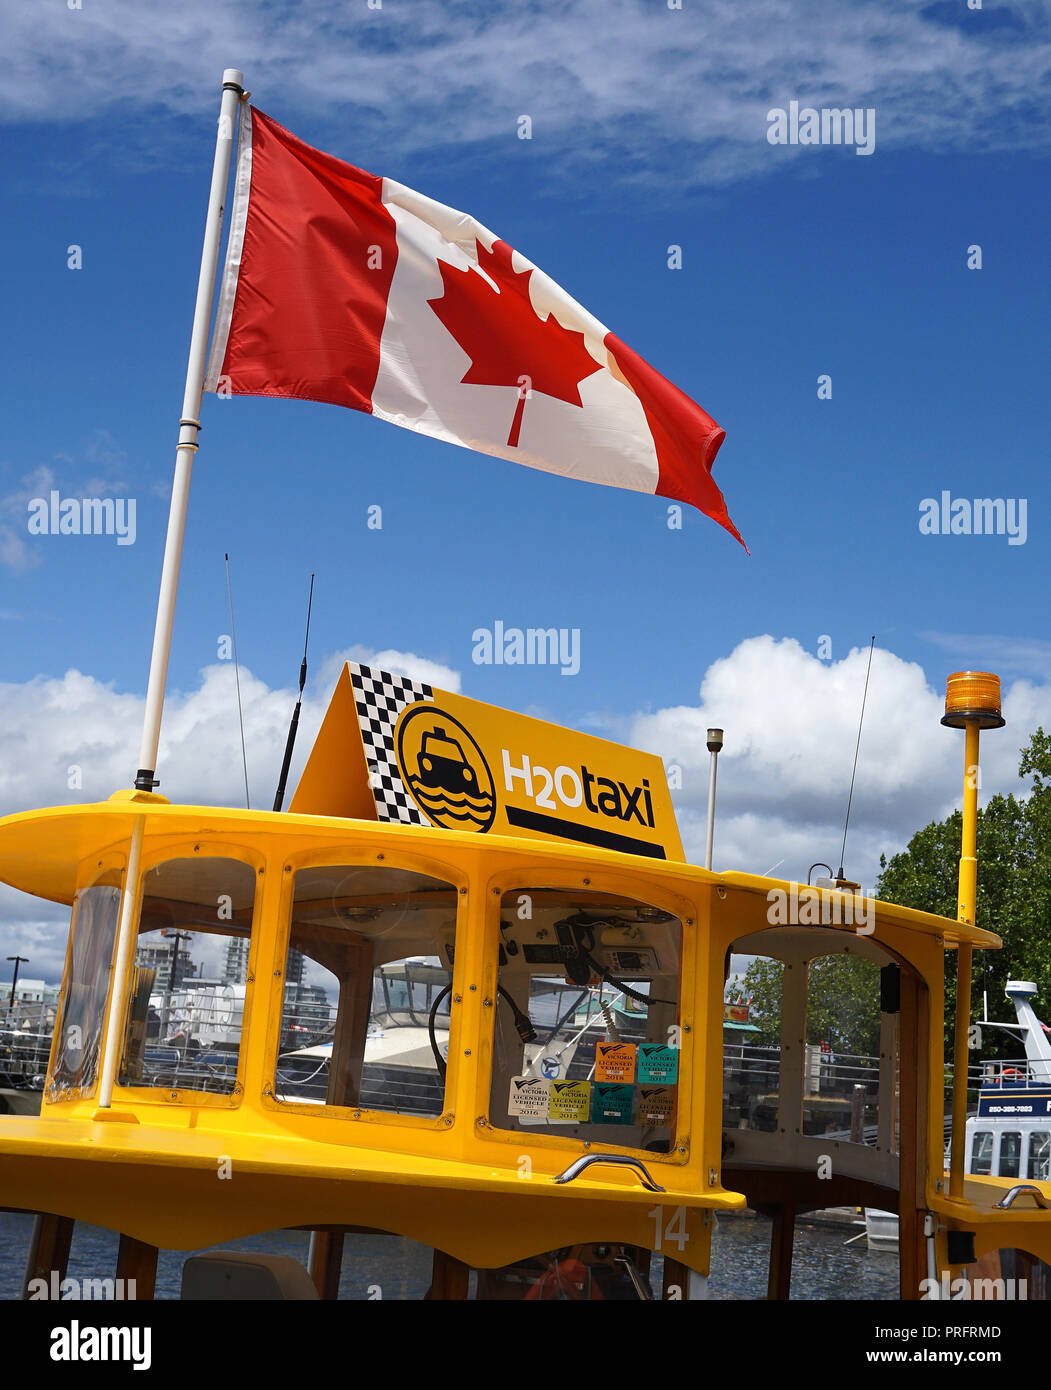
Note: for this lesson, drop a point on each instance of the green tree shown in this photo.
(761, 983)
(1014, 891)
(842, 1002)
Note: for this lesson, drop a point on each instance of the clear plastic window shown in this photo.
(752, 1045)
(187, 991)
(587, 1017)
(841, 1067)
(81, 1013)
(982, 1153)
(368, 981)
(1039, 1163)
(1010, 1153)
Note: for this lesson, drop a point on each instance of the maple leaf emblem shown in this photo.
(508, 343)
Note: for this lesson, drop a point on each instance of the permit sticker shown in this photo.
(529, 1097)
(655, 1105)
(615, 1061)
(658, 1064)
(570, 1102)
(611, 1104)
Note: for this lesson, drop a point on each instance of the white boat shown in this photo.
(881, 1229)
(1010, 1136)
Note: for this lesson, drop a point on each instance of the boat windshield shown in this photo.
(186, 1000)
(81, 1010)
(365, 1016)
(587, 1027)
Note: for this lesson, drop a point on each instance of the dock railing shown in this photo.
(841, 1090)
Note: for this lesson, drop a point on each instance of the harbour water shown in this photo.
(391, 1268)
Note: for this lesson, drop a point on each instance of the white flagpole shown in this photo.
(189, 425)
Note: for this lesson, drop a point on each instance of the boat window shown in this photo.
(586, 1022)
(982, 1153)
(1010, 1154)
(1039, 1165)
(81, 1012)
(187, 991)
(841, 1072)
(752, 1046)
(368, 981)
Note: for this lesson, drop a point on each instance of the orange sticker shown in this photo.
(615, 1061)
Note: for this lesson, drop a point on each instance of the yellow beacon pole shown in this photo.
(972, 703)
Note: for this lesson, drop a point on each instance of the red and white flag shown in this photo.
(351, 289)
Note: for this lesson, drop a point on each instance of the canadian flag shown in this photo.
(347, 288)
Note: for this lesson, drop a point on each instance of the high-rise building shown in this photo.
(235, 964)
(294, 967)
(157, 954)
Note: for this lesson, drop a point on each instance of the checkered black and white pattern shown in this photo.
(380, 698)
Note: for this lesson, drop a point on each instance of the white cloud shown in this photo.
(417, 668)
(1016, 656)
(31, 928)
(76, 728)
(51, 730)
(613, 83)
(96, 472)
(791, 725)
(15, 552)
(790, 721)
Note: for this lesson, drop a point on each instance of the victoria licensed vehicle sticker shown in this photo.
(570, 1102)
(658, 1064)
(615, 1061)
(529, 1097)
(612, 1105)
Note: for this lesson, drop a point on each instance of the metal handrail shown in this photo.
(1024, 1189)
(620, 1160)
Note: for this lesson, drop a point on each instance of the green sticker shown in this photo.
(658, 1064)
(611, 1104)
(570, 1102)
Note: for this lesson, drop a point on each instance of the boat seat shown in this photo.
(221, 1275)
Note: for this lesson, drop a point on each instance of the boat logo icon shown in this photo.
(444, 769)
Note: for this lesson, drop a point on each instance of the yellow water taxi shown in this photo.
(479, 1135)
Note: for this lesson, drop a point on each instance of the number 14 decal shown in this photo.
(672, 1231)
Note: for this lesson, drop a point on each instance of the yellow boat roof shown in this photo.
(41, 851)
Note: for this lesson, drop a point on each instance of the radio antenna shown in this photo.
(857, 747)
(237, 678)
(292, 728)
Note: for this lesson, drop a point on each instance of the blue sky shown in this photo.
(649, 129)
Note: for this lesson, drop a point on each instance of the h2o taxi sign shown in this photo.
(393, 749)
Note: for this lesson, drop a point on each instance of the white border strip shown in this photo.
(234, 247)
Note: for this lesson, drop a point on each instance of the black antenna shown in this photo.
(237, 678)
(291, 743)
(850, 798)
